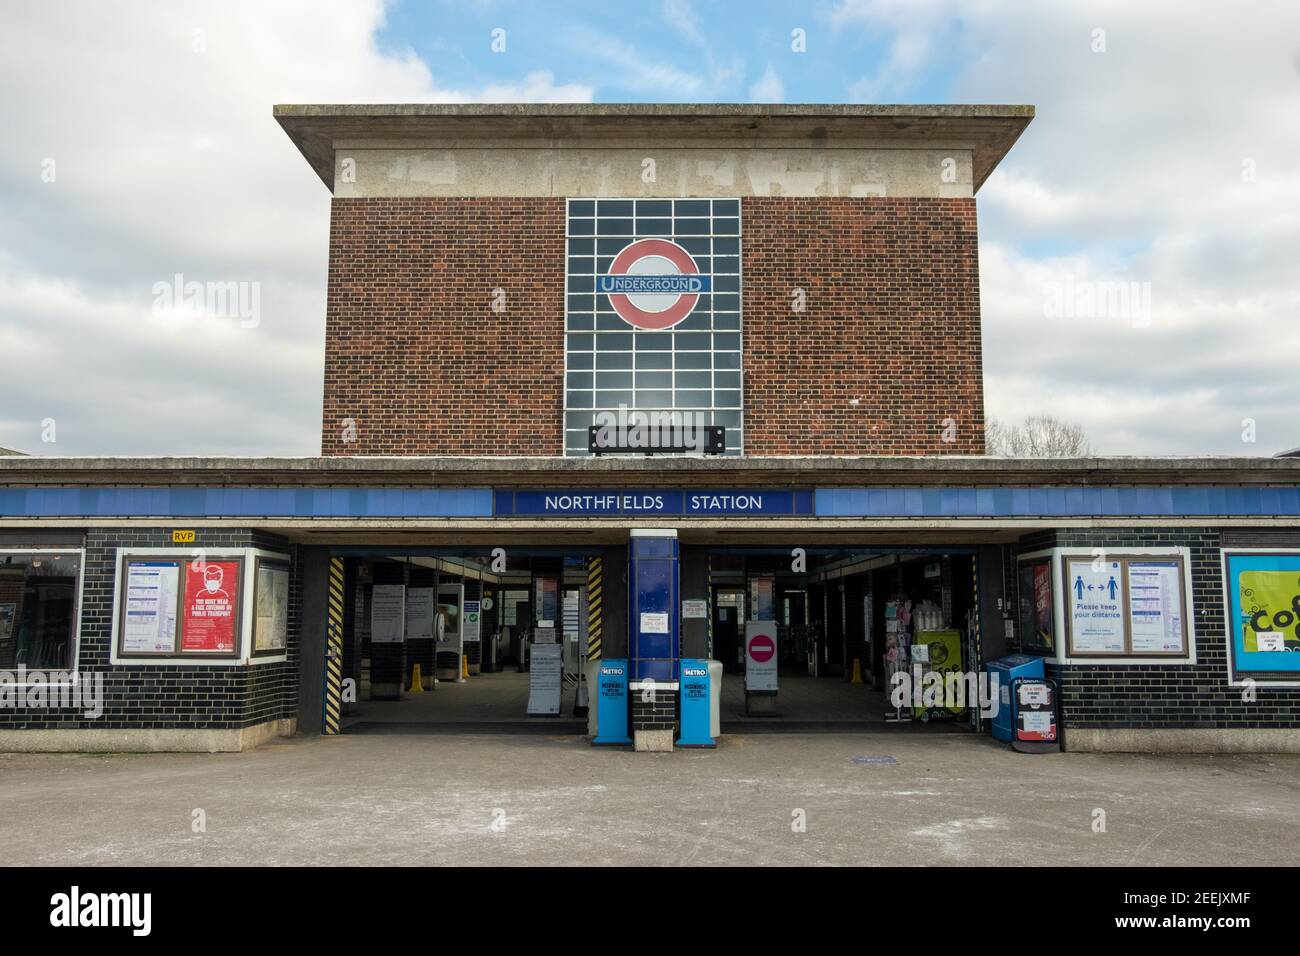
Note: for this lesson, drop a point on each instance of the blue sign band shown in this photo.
(583, 502)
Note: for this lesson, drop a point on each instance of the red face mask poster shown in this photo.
(211, 598)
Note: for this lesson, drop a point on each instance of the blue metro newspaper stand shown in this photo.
(612, 703)
(696, 704)
(1008, 669)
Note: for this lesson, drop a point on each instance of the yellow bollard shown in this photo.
(857, 672)
(417, 685)
(464, 667)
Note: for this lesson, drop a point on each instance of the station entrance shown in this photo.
(482, 639)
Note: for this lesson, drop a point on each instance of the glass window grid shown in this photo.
(608, 363)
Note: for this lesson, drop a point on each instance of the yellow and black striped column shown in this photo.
(595, 579)
(333, 702)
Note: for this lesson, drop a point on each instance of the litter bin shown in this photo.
(1008, 669)
(490, 651)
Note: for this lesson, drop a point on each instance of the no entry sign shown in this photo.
(762, 648)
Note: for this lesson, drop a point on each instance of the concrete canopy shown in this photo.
(987, 131)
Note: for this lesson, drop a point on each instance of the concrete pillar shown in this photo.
(314, 571)
(388, 660)
(992, 602)
(695, 587)
(614, 621)
(420, 650)
(473, 650)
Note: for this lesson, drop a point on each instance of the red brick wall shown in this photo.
(891, 319)
(414, 353)
(416, 356)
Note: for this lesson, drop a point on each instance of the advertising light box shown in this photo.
(1263, 600)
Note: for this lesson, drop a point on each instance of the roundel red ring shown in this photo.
(675, 312)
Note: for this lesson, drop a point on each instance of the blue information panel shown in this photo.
(696, 690)
(653, 600)
(611, 703)
(586, 502)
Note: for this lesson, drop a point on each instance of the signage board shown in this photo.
(1155, 595)
(420, 613)
(585, 502)
(545, 679)
(1263, 600)
(760, 657)
(1035, 711)
(183, 537)
(695, 610)
(388, 614)
(209, 612)
(152, 590)
(652, 314)
(470, 621)
(654, 622)
(1096, 602)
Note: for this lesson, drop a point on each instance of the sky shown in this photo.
(1139, 246)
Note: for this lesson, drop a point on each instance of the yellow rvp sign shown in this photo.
(182, 537)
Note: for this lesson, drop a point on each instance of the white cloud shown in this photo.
(768, 89)
(167, 160)
(1132, 171)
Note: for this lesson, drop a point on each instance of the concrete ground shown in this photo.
(866, 798)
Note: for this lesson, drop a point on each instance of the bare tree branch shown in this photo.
(1038, 436)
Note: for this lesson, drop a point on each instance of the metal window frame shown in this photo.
(579, 448)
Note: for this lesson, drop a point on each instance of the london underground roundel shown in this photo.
(653, 284)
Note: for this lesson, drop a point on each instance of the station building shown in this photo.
(789, 296)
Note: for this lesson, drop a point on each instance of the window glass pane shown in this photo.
(654, 359)
(605, 360)
(654, 379)
(38, 597)
(614, 380)
(654, 399)
(614, 342)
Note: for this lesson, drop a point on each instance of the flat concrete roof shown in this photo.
(791, 471)
(988, 131)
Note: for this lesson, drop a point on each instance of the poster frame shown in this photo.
(273, 564)
(245, 610)
(1124, 559)
(1240, 677)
